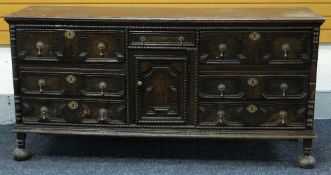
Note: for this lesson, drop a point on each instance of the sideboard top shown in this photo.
(165, 14)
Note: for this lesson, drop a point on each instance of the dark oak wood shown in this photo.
(159, 72)
(166, 14)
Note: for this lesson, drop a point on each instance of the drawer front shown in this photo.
(252, 114)
(162, 38)
(73, 111)
(221, 87)
(102, 46)
(101, 85)
(39, 45)
(222, 47)
(286, 47)
(70, 45)
(42, 83)
(253, 86)
(72, 83)
(288, 87)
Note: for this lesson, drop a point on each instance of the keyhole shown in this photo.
(71, 79)
(69, 34)
(254, 36)
(73, 105)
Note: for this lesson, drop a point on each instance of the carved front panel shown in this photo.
(222, 47)
(42, 83)
(286, 47)
(285, 87)
(252, 114)
(102, 46)
(221, 86)
(161, 89)
(39, 45)
(75, 111)
(112, 85)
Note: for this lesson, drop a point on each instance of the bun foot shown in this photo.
(20, 154)
(306, 161)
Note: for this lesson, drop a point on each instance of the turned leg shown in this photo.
(307, 160)
(20, 153)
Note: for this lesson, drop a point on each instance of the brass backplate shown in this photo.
(71, 79)
(69, 34)
(252, 81)
(255, 36)
(73, 105)
(251, 108)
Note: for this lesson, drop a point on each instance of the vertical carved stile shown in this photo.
(127, 79)
(185, 101)
(16, 84)
(312, 78)
(195, 69)
(136, 93)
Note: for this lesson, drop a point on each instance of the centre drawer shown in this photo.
(162, 38)
(75, 111)
(253, 86)
(72, 83)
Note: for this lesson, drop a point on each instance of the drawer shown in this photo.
(252, 114)
(70, 45)
(72, 83)
(285, 47)
(162, 38)
(42, 110)
(222, 47)
(253, 86)
(255, 47)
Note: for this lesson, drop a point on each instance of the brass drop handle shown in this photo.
(220, 115)
(282, 115)
(41, 83)
(142, 40)
(102, 86)
(222, 48)
(283, 87)
(221, 87)
(43, 112)
(40, 45)
(139, 83)
(101, 46)
(181, 40)
(286, 47)
(103, 114)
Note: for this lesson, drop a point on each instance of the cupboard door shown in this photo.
(161, 89)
